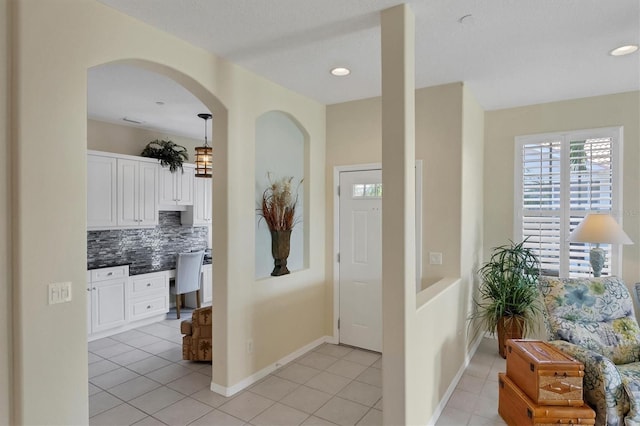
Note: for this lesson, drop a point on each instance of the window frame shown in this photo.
(565, 212)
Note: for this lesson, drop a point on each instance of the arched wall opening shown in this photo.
(281, 152)
(48, 202)
(218, 130)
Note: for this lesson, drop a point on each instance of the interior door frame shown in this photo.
(336, 232)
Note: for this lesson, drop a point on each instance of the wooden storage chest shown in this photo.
(544, 373)
(517, 409)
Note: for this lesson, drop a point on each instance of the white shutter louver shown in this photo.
(561, 179)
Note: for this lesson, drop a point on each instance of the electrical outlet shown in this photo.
(250, 346)
(435, 258)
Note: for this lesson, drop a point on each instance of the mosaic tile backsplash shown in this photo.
(145, 250)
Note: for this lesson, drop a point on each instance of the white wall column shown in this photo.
(398, 206)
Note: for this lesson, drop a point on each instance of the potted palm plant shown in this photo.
(507, 301)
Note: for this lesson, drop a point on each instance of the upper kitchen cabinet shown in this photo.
(176, 189)
(101, 191)
(200, 214)
(137, 192)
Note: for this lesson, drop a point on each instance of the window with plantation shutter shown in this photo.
(559, 179)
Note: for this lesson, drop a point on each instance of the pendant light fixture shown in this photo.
(204, 154)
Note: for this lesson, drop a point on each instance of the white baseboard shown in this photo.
(333, 340)
(454, 382)
(126, 327)
(245, 383)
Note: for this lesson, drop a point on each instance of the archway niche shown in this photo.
(281, 151)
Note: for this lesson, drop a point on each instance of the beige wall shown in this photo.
(121, 139)
(5, 226)
(502, 126)
(354, 137)
(450, 141)
(439, 347)
(471, 209)
(439, 343)
(280, 315)
(439, 144)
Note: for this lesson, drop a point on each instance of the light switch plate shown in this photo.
(59, 292)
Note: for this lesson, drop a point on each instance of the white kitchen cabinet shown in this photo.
(206, 289)
(176, 189)
(108, 296)
(149, 295)
(89, 303)
(200, 214)
(137, 193)
(207, 285)
(101, 191)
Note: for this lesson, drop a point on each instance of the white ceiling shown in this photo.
(509, 52)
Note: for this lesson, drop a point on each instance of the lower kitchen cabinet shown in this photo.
(149, 295)
(107, 298)
(117, 302)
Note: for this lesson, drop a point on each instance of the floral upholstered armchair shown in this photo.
(592, 320)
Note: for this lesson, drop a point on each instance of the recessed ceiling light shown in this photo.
(624, 50)
(340, 71)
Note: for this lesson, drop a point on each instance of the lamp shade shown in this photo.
(599, 228)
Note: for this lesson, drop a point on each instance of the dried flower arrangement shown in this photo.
(279, 205)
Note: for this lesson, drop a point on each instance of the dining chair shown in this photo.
(188, 268)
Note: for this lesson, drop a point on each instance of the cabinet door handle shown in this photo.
(109, 274)
(148, 284)
(88, 289)
(148, 306)
(94, 288)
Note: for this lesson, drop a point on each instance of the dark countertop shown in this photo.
(140, 268)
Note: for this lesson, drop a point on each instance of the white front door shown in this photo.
(361, 259)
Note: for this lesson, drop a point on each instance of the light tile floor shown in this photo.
(139, 377)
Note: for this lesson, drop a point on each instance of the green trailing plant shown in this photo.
(278, 207)
(508, 289)
(169, 153)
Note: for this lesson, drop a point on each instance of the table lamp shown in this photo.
(598, 228)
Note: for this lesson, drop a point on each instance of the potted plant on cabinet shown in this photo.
(169, 153)
(507, 301)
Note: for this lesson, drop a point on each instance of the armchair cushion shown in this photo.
(602, 384)
(632, 387)
(614, 340)
(596, 313)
